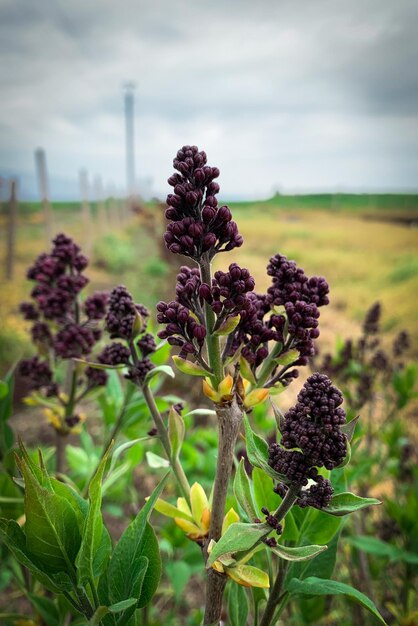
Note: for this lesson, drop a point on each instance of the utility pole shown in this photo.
(42, 173)
(130, 138)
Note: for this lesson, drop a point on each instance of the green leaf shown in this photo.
(302, 553)
(263, 491)
(160, 369)
(345, 503)
(320, 528)
(137, 545)
(278, 416)
(372, 545)
(239, 537)
(257, 451)
(176, 430)
(120, 449)
(242, 491)
(322, 587)
(4, 389)
(155, 461)
(237, 605)
(228, 326)
(349, 428)
(179, 574)
(14, 538)
(93, 527)
(52, 531)
(287, 358)
(188, 367)
(46, 609)
(99, 366)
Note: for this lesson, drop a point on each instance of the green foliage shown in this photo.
(313, 586)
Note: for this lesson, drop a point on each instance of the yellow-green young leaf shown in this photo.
(176, 431)
(93, 527)
(188, 367)
(52, 532)
(165, 508)
(160, 369)
(135, 566)
(246, 371)
(277, 389)
(99, 366)
(239, 537)
(228, 326)
(155, 461)
(249, 576)
(230, 518)
(322, 587)
(256, 396)
(198, 501)
(138, 326)
(237, 606)
(301, 553)
(345, 503)
(287, 358)
(243, 492)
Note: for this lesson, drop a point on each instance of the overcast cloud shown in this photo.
(297, 95)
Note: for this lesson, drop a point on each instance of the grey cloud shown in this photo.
(283, 82)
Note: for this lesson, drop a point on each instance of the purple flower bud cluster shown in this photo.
(254, 333)
(197, 225)
(122, 313)
(313, 426)
(114, 354)
(360, 365)
(314, 423)
(228, 294)
(74, 341)
(188, 290)
(37, 372)
(401, 344)
(290, 284)
(59, 279)
(55, 312)
(300, 296)
(272, 521)
(318, 495)
(372, 319)
(181, 329)
(95, 305)
(121, 322)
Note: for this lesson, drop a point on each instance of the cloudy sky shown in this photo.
(289, 94)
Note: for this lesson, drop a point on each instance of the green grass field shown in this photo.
(363, 259)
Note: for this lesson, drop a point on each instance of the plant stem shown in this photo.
(116, 427)
(212, 342)
(59, 452)
(162, 432)
(268, 365)
(275, 593)
(229, 422)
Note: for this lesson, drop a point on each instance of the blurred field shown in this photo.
(366, 247)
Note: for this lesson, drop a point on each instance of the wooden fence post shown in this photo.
(85, 210)
(11, 231)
